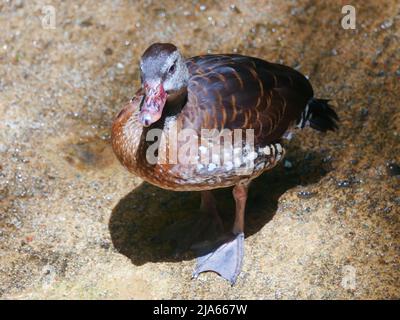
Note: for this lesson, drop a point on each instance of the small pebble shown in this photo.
(386, 24)
(381, 73)
(393, 169)
(108, 52)
(387, 209)
(86, 23)
(344, 184)
(104, 244)
(363, 113)
(234, 8)
(306, 194)
(287, 164)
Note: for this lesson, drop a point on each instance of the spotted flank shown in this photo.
(224, 170)
(274, 152)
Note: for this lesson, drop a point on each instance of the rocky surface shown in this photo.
(74, 224)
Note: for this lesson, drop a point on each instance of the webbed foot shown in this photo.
(226, 260)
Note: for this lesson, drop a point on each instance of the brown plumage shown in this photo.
(224, 91)
(246, 92)
(213, 92)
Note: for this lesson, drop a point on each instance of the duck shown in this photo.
(214, 121)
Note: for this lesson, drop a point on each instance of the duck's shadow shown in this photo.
(147, 211)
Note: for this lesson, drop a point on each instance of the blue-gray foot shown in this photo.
(226, 260)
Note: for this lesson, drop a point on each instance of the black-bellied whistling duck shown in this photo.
(221, 94)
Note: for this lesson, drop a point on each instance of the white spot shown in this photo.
(215, 159)
(237, 162)
(237, 151)
(211, 167)
(203, 149)
(228, 165)
(228, 153)
(252, 156)
(267, 150)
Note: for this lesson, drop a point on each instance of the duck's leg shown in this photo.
(200, 229)
(208, 226)
(209, 207)
(226, 259)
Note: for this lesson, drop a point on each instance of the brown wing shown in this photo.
(234, 91)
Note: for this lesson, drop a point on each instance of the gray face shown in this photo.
(162, 64)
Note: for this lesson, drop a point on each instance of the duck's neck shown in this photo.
(129, 135)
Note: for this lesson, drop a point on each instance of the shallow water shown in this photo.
(75, 224)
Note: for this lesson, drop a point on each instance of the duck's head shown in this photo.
(163, 73)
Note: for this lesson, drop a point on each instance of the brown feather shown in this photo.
(250, 88)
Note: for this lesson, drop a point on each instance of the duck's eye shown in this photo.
(171, 69)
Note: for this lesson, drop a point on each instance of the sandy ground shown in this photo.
(75, 224)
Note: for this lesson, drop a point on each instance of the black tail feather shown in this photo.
(320, 115)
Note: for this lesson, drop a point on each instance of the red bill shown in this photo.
(153, 104)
